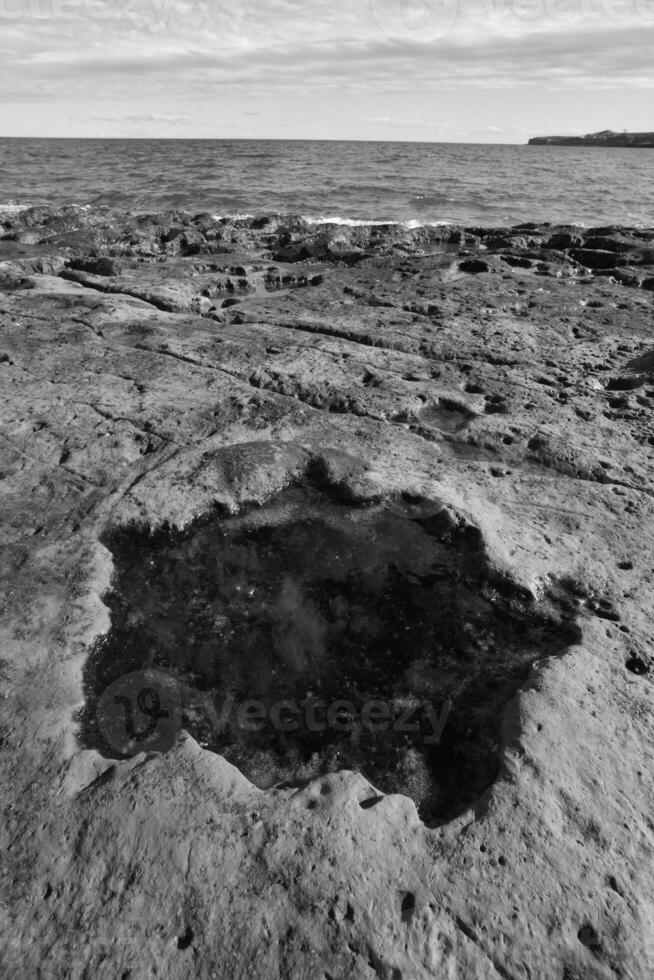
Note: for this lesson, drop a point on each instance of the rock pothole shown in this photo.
(446, 415)
(306, 636)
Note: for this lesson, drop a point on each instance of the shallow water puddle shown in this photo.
(306, 636)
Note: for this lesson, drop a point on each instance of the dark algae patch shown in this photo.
(306, 636)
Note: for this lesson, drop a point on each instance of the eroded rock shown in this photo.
(517, 405)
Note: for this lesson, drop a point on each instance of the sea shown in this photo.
(348, 182)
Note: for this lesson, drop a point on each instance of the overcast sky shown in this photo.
(479, 70)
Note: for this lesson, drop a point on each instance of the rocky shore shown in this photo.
(493, 389)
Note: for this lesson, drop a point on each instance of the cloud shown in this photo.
(201, 49)
(169, 118)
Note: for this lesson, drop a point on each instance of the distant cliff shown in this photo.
(606, 138)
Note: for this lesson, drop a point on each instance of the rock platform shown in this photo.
(159, 368)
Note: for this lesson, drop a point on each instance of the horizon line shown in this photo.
(265, 139)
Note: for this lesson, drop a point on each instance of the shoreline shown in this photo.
(11, 209)
(620, 253)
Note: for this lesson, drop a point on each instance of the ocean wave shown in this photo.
(334, 219)
(348, 184)
(12, 208)
(348, 222)
(410, 223)
(431, 200)
(233, 217)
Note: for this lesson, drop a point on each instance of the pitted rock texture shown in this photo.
(156, 368)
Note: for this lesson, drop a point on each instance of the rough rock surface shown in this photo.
(154, 366)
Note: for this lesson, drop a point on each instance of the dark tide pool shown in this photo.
(307, 636)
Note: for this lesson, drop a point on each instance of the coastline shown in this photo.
(12, 210)
(607, 138)
(622, 253)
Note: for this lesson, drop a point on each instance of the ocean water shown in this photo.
(349, 181)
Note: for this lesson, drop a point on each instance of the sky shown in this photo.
(443, 70)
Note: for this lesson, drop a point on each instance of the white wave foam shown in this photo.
(337, 219)
(416, 223)
(411, 224)
(232, 217)
(12, 208)
(348, 222)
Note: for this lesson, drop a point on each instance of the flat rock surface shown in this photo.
(155, 368)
